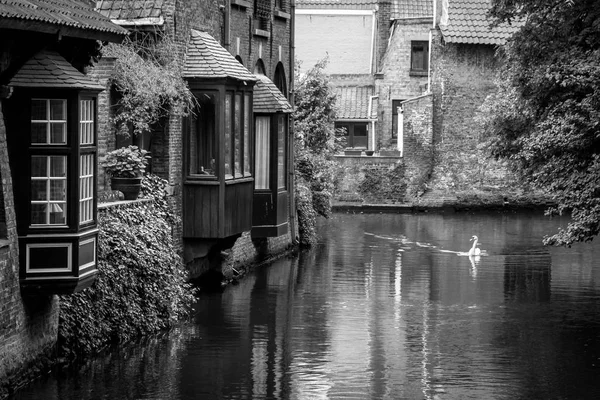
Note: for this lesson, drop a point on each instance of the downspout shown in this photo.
(369, 114)
(292, 183)
(227, 25)
(401, 130)
(373, 41)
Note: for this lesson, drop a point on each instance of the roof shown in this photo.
(337, 4)
(406, 9)
(468, 23)
(353, 102)
(268, 98)
(48, 69)
(206, 58)
(70, 17)
(146, 12)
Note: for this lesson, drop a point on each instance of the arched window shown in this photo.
(239, 59)
(259, 68)
(279, 79)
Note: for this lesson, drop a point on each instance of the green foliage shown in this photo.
(148, 78)
(126, 162)
(141, 285)
(381, 184)
(315, 144)
(307, 216)
(545, 116)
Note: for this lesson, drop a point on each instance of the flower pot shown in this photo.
(369, 152)
(130, 187)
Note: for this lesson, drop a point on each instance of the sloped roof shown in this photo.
(337, 4)
(52, 15)
(353, 101)
(206, 58)
(268, 98)
(48, 69)
(403, 9)
(148, 12)
(468, 23)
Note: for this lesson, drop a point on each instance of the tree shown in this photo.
(545, 116)
(314, 146)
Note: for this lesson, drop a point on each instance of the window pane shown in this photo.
(281, 136)
(39, 190)
(58, 166)
(39, 166)
(57, 132)
(58, 189)
(202, 137)
(86, 122)
(39, 132)
(86, 188)
(263, 153)
(247, 143)
(228, 122)
(48, 190)
(58, 110)
(38, 110)
(238, 135)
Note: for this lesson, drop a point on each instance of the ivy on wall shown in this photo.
(141, 285)
(149, 83)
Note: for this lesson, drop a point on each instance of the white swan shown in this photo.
(474, 251)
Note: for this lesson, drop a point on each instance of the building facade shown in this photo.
(229, 162)
(48, 166)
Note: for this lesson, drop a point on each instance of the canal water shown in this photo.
(382, 308)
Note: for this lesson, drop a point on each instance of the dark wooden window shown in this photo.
(202, 146)
(419, 57)
(396, 104)
(237, 134)
(281, 5)
(279, 79)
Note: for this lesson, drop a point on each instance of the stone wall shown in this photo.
(418, 142)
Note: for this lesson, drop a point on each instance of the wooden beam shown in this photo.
(53, 29)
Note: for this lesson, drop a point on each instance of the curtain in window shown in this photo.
(263, 151)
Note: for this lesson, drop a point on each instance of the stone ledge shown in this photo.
(121, 203)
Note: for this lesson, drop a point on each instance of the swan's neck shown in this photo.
(474, 245)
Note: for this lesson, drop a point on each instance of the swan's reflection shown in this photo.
(474, 264)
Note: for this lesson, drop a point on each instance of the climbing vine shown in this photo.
(149, 83)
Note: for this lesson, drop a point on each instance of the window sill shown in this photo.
(4, 243)
(241, 3)
(418, 73)
(261, 33)
(238, 180)
(281, 14)
(121, 203)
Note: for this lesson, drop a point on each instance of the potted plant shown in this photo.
(126, 166)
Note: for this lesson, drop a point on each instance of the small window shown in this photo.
(247, 144)
(281, 151)
(419, 58)
(48, 121)
(281, 4)
(263, 153)
(355, 134)
(48, 190)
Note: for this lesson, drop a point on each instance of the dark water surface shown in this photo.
(382, 308)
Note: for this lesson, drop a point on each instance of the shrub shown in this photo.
(381, 184)
(307, 216)
(141, 284)
(126, 162)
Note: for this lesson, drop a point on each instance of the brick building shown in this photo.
(428, 67)
(47, 167)
(228, 164)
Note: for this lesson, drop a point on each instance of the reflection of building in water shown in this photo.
(527, 276)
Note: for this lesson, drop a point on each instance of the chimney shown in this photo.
(383, 29)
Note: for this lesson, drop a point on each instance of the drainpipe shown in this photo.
(369, 114)
(401, 131)
(292, 196)
(227, 24)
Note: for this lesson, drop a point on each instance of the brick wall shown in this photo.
(28, 326)
(396, 82)
(462, 77)
(418, 140)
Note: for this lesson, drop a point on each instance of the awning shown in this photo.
(48, 69)
(207, 59)
(352, 102)
(67, 17)
(268, 98)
